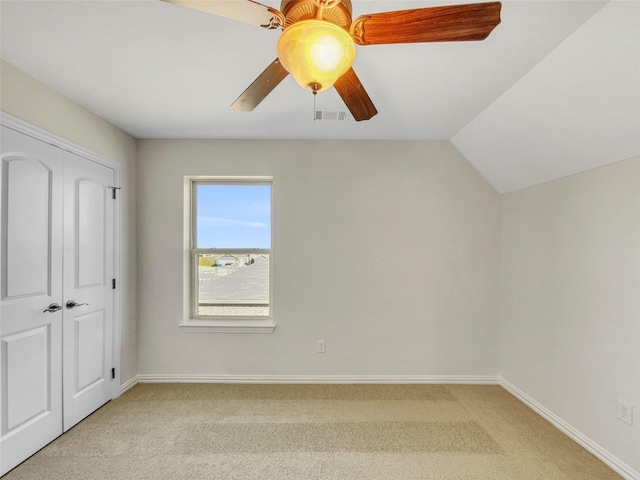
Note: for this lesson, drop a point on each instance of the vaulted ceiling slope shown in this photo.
(554, 90)
(577, 109)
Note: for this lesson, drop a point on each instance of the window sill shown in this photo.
(228, 326)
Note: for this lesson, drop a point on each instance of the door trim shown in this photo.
(42, 135)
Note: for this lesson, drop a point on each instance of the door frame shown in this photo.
(38, 133)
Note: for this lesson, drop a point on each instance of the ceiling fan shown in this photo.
(317, 45)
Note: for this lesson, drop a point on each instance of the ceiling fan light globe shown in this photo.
(316, 53)
(326, 53)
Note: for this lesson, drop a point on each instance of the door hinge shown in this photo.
(113, 373)
(113, 284)
(113, 190)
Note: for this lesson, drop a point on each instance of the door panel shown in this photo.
(28, 395)
(90, 339)
(91, 247)
(28, 242)
(88, 266)
(31, 269)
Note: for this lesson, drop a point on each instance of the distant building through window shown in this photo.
(231, 248)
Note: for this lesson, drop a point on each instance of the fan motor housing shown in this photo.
(296, 10)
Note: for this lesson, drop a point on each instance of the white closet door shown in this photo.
(88, 274)
(31, 266)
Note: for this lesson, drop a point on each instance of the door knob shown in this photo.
(74, 304)
(54, 307)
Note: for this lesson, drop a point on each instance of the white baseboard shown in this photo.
(427, 379)
(614, 462)
(132, 382)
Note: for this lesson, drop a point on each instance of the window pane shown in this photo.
(234, 285)
(234, 216)
(233, 223)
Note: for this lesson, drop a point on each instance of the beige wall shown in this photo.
(570, 330)
(389, 251)
(26, 98)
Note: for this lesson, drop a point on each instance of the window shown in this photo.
(230, 254)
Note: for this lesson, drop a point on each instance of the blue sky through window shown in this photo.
(234, 216)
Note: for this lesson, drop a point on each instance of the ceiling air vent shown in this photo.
(327, 115)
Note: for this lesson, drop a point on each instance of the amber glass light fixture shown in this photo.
(316, 53)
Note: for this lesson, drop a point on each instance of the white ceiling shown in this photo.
(554, 90)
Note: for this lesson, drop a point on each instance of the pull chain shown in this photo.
(314, 106)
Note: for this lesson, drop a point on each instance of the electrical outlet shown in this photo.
(321, 346)
(625, 412)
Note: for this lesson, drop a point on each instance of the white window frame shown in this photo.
(218, 324)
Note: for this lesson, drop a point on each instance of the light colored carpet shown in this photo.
(304, 432)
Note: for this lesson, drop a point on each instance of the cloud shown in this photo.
(228, 222)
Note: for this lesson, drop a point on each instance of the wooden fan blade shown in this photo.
(437, 24)
(246, 11)
(355, 97)
(261, 87)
